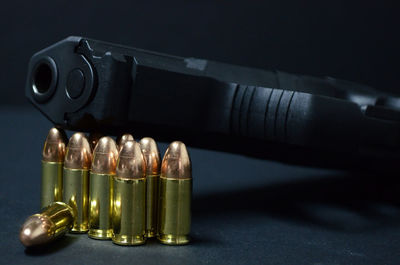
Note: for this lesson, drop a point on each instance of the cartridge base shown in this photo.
(79, 231)
(128, 240)
(100, 234)
(174, 239)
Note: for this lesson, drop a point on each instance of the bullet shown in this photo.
(52, 167)
(121, 140)
(94, 138)
(175, 196)
(51, 223)
(104, 163)
(153, 163)
(129, 208)
(78, 159)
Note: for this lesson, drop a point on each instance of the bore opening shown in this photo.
(42, 78)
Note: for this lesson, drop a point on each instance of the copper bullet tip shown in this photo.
(94, 138)
(78, 154)
(105, 156)
(54, 146)
(121, 140)
(35, 231)
(131, 163)
(151, 155)
(176, 162)
(52, 222)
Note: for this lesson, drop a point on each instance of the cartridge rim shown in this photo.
(128, 240)
(173, 240)
(100, 234)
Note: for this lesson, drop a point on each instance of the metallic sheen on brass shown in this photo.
(77, 163)
(129, 206)
(121, 140)
(42, 228)
(175, 196)
(101, 188)
(153, 163)
(52, 167)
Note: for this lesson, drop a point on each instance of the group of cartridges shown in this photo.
(112, 191)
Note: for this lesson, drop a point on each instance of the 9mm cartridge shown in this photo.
(52, 167)
(153, 163)
(175, 196)
(77, 163)
(101, 188)
(129, 200)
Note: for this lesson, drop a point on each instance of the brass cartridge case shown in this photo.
(76, 194)
(52, 183)
(129, 218)
(153, 164)
(175, 211)
(100, 211)
(101, 189)
(175, 195)
(76, 180)
(52, 167)
(129, 206)
(51, 223)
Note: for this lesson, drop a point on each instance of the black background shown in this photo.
(353, 40)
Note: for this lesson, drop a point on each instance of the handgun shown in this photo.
(88, 85)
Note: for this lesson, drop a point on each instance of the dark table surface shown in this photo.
(245, 211)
